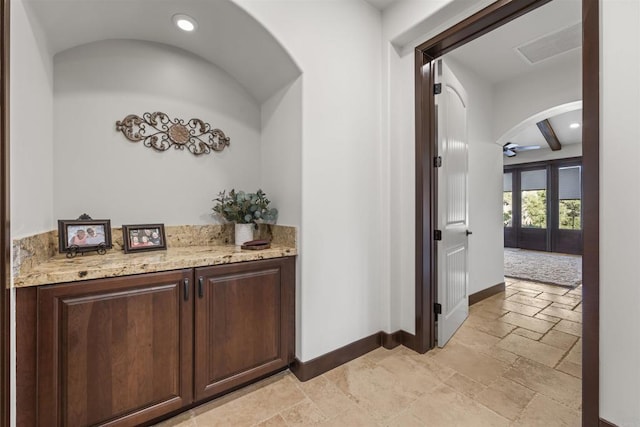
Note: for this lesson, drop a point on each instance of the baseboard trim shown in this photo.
(486, 293)
(321, 364)
(605, 423)
(305, 371)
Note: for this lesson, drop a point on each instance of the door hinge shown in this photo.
(437, 162)
(437, 308)
(437, 235)
(437, 88)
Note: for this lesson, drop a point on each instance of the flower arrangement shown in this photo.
(245, 208)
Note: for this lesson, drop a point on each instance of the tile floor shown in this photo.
(515, 361)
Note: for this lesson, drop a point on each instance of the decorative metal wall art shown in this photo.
(159, 132)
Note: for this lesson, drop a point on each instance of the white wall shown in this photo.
(486, 256)
(98, 171)
(619, 210)
(31, 128)
(544, 153)
(337, 46)
(529, 94)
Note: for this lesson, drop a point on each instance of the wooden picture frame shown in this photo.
(84, 235)
(143, 237)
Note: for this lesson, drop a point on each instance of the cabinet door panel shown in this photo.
(115, 352)
(243, 325)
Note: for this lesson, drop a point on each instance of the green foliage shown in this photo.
(507, 210)
(245, 208)
(534, 209)
(570, 214)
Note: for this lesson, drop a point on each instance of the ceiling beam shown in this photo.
(549, 135)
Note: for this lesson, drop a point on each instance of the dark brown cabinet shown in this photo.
(125, 351)
(244, 324)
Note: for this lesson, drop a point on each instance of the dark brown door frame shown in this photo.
(491, 17)
(5, 235)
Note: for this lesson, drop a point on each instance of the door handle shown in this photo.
(186, 289)
(468, 232)
(200, 287)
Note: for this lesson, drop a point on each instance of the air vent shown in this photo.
(552, 44)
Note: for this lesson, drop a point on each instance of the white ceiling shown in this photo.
(493, 55)
(227, 36)
(531, 135)
(381, 4)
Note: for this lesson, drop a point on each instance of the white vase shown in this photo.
(244, 233)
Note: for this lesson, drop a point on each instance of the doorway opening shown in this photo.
(427, 181)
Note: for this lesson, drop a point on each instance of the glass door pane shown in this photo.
(507, 199)
(570, 198)
(534, 199)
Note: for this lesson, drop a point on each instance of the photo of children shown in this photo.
(86, 235)
(144, 237)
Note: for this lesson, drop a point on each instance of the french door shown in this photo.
(542, 206)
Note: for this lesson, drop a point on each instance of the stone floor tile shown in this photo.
(506, 397)
(570, 368)
(465, 385)
(527, 334)
(406, 419)
(326, 395)
(547, 318)
(541, 287)
(475, 365)
(275, 421)
(493, 327)
(544, 412)
(528, 300)
(533, 324)
(381, 353)
(578, 308)
(559, 339)
(489, 314)
(554, 384)
(565, 306)
(303, 414)
(575, 355)
(355, 417)
(516, 307)
(445, 407)
(412, 376)
(562, 299)
(534, 350)
(569, 327)
(563, 314)
(186, 419)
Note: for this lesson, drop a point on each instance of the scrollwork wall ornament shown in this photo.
(158, 131)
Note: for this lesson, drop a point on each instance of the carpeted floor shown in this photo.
(547, 267)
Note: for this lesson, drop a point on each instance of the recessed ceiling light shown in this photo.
(574, 125)
(185, 22)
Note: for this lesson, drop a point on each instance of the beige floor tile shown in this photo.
(516, 307)
(493, 327)
(465, 385)
(575, 355)
(186, 419)
(491, 306)
(445, 407)
(428, 362)
(544, 412)
(528, 300)
(562, 299)
(373, 388)
(506, 397)
(508, 292)
(415, 378)
(483, 343)
(570, 368)
(557, 385)
(528, 293)
(275, 421)
(547, 318)
(303, 414)
(569, 327)
(540, 287)
(534, 350)
(381, 353)
(559, 339)
(563, 314)
(329, 398)
(533, 324)
(483, 312)
(355, 417)
(578, 308)
(527, 334)
(475, 365)
(406, 419)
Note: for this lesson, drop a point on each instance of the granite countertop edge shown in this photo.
(60, 269)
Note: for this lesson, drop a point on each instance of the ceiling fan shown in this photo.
(510, 149)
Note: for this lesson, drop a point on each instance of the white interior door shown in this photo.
(453, 201)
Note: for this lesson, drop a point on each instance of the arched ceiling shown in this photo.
(226, 36)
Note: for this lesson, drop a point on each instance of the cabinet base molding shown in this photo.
(486, 293)
(305, 371)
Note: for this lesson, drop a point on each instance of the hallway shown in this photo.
(515, 361)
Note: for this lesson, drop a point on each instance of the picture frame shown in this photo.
(84, 235)
(143, 237)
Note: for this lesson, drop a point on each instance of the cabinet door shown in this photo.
(244, 325)
(114, 351)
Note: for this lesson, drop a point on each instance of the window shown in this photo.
(507, 199)
(534, 199)
(569, 198)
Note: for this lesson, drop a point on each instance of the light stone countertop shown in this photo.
(61, 269)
